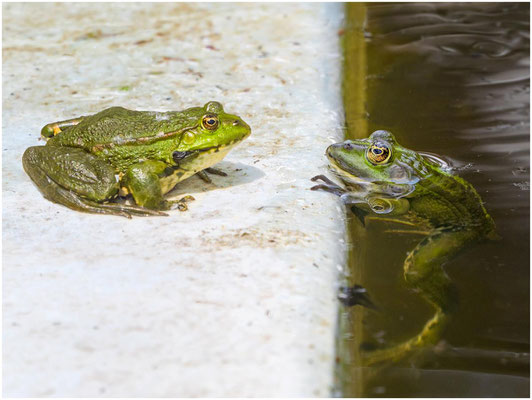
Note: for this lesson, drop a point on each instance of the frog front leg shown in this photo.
(143, 182)
(76, 179)
(329, 185)
(205, 178)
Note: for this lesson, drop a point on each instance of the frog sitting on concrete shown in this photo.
(88, 161)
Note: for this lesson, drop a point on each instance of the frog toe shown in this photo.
(180, 204)
(128, 210)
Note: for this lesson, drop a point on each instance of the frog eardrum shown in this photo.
(189, 137)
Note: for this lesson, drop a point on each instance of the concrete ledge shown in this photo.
(235, 297)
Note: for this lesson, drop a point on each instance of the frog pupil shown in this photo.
(210, 122)
(378, 154)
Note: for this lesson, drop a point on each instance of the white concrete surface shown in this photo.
(235, 297)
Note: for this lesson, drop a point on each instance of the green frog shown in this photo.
(89, 161)
(386, 181)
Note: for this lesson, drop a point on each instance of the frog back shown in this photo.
(119, 126)
(447, 200)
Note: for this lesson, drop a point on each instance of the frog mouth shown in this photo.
(342, 169)
(353, 181)
(180, 156)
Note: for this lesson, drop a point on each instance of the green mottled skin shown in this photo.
(410, 188)
(88, 159)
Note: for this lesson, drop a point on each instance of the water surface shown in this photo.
(452, 79)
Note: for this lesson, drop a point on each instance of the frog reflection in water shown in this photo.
(88, 161)
(385, 180)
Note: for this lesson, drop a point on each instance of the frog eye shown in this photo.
(210, 122)
(188, 137)
(379, 153)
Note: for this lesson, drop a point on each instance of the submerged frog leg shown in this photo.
(75, 179)
(354, 295)
(394, 220)
(423, 272)
(53, 128)
(429, 335)
(360, 214)
(413, 232)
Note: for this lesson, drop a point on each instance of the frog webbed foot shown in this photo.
(214, 171)
(328, 186)
(180, 204)
(324, 179)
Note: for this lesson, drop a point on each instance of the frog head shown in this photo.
(210, 127)
(378, 172)
(378, 159)
(209, 135)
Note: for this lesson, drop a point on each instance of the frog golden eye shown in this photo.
(379, 153)
(210, 122)
(189, 137)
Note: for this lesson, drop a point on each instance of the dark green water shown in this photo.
(452, 79)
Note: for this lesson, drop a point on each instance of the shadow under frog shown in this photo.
(237, 173)
(386, 181)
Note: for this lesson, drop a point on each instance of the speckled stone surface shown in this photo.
(235, 297)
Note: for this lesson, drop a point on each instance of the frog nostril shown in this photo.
(348, 146)
(237, 122)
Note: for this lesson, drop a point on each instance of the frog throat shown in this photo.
(343, 171)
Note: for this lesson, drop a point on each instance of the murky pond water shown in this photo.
(452, 79)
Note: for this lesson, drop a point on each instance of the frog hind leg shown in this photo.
(76, 179)
(424, 273)
(428, 335)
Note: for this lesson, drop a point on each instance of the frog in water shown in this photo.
(387, 181)
(88, 161)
